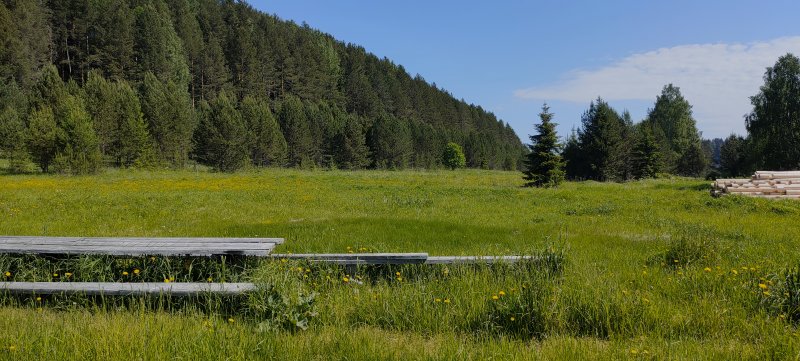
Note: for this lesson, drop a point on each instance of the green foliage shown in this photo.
(773, 124)
(78, 148)
(453, 156)
(734, 156)
(646, 156)
(544, 166)
(675, 129)
(13, 134)
(296, 130)
(600, 151)
(350, 145)
(390, 143)
(695, 246)
(157, 47)
(221, 138)
(267, 145)
(170, 118)
(43, 137)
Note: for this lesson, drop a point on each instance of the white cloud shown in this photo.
(717, 79)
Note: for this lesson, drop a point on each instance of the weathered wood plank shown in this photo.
(61, 240)
(358, 258)
(124, 289)
(475, 259)
(134, 251)
(137, 246)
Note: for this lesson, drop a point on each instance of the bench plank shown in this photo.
(124, 289)
(139, 246)
(475, 259)
(359, 258)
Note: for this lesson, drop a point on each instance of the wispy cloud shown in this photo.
(717, 79)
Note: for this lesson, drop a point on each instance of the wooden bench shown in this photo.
(132, 247)
(351, 259)
(139, 246)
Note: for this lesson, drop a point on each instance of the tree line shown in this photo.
(608, 146)
(86, 84)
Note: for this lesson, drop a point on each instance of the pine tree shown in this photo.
(43, 136)
(79, 151)
(646, 157)
(732, 156)
(133, 145)
(13, 134)
(292, 117)
(350, 145)
(390, 143)
(544, 166)
(170, 117)
(267, 145)
(221, 136)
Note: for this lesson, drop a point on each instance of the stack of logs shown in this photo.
(763, 184)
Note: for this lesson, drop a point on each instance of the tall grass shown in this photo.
(605, 285)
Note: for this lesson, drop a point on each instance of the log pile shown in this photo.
(763, 184)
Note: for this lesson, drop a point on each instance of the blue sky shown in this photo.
(511, 56)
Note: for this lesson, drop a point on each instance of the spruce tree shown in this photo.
(646, 157)
(543, 165)
(295, 127)
(79, 151)
(221, 136)
(43, 136)
(266, 142)
(350, 149)
(13, 134)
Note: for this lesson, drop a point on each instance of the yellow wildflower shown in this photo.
(345, 279)
(512, 318)
(494, 297)
(502, 293)
(68, 274)
(707, 269)
(447, 300)
(136, 271)
(634, 351)
(209, 279)
(762, 286)
(8, 274)
(437, 300)
(124, 273)
(231, 320)
(55, 274)
(38, 298)
(397, 274)
(166, 280)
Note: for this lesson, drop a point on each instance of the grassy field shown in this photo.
(642, 270)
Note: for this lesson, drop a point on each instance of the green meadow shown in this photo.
(654, 269)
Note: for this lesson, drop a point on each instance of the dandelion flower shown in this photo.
(447, 300)
(136, 271)
(8, 274)
(166, 280)
(209, 279)
(707, 269)
(68, 274)
(231, 320)
(397, 274)
(495, 297)
(437, 300)
(55, 274)
(512, 318)
(762, 286)
(125, 273)
(634, 351)
(345, 279)
(501, 293)
(38, 298)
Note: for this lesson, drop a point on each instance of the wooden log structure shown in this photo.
(763, 184)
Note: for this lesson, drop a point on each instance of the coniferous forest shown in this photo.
(129, 83)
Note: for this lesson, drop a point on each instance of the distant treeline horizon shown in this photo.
(166, 83)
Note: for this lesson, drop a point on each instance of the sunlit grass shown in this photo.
(621, 294)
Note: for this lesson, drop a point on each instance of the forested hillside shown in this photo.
(167, 82)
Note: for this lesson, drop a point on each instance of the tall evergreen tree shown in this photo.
(601, 144)
(646, 157)
(78, 148)
(732, 156)
(43, 137)
(453, 156)
(267, 144)
(171, 121)
(544, 166)
(292, 117)
(157, 47)
(13, 136)
(350, 145)
(676, 130)
(390, 143)
(221, 136)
